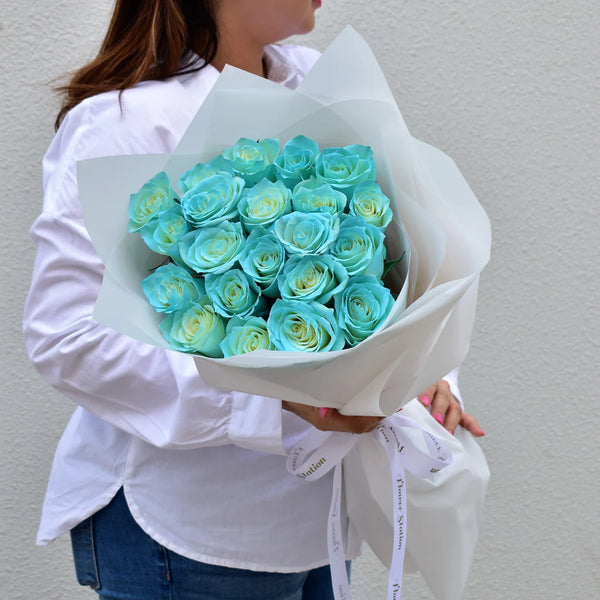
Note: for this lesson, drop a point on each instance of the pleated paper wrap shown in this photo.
(344, 99)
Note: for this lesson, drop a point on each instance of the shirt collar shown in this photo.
(279, 70)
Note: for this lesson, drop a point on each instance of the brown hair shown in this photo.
(146, 39)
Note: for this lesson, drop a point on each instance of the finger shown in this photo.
(453, 416)
(469, 422)
(329, 419)
(427, 395)
(334, 421)
(441, 401)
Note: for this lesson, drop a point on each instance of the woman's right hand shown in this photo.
(329, 419)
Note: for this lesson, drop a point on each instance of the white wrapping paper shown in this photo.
(343, 100)
(444, 512)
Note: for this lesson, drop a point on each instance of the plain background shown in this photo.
(510, 90)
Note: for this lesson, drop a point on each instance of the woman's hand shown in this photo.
(444, 407)
(446, 410)
(329, 419)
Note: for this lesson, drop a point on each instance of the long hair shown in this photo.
(146, 39)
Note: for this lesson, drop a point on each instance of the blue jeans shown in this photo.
(117, 559)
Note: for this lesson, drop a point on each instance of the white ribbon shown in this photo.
(320, 451)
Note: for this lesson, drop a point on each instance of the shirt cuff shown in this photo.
(256, 423)
(452, 380)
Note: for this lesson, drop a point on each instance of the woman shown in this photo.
(171, 488)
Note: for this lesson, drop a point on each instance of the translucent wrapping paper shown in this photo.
(444, 512)
(344, 99)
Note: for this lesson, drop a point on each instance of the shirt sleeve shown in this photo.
(152, 393)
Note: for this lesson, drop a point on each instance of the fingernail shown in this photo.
(439, 418)
(323, 412)
(482, 434)
(425, 400)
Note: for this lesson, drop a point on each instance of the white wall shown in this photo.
(510, 90)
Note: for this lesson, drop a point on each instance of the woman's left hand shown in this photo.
(446, 409)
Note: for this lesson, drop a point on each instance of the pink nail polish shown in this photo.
(323, 412)
(482, 434)
(439, 418)
(425, 400)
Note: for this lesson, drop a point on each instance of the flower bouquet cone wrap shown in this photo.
(343, 100)
(438, 224)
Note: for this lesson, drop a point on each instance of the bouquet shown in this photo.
(294, 238)
(438, 229)
(343, 101)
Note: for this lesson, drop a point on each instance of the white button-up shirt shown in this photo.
(203, 470)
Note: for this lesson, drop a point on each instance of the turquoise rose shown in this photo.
(345, 168)
(246, 335)
(362, 307)
(264, 203)
(296, 326)
(190, 179)
(252, 160)
(213, 200)
(198, 329)
(297, 160)
(172, 288)
(370, 203)
(314, 195)
(262, 259)
(212, 249)
(359, 247)
(307, 233)
(162, 234)
(154, 196)
(233, 293)
(312, 278)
